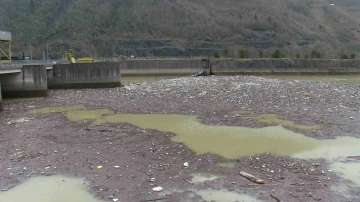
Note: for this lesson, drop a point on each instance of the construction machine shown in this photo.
(69, 56)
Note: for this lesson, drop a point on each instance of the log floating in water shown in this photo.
(252, 178)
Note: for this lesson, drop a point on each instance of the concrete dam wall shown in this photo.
(284, 67)
(181, 67)
(92, 75)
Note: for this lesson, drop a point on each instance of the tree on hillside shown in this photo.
(278, 54)
(315, 54)
(243, 53)
(261, 53)
(32, 6)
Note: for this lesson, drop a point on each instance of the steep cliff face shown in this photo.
(181, 27)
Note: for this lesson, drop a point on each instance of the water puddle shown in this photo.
(202, 177)
(332, 149)
(349, 171)
(79, 115)
(47, 110)
(227, 164)
(227, 141)
(276, 119)
(239, 112)
(15, 100)
(121, 134)
(224, 196)
(351, 79)
(49, 189)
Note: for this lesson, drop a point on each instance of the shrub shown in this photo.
(216, 55)
(261, 54)
(352, 56)
(315, 54)
(243, 53)
(344, 57)
(298, 55)
(278, 54)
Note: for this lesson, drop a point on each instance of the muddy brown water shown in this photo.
(228, 141)
(350, 79)
(49, 189)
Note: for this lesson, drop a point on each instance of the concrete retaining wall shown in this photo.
(91, 75)
(30, 82)
(179, 67)
(283, 67)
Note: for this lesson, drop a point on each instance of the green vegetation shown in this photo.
(278, 54)
(261, 53)
(298, 55)
(153, 25)
(216, 55)
(315, 54)
(346, 57)
(243, 53)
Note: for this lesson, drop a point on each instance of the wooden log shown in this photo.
(274, 197)
(266, 185)
(252, 178)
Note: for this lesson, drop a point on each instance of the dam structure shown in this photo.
(34, 80)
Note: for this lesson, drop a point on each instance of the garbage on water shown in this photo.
(100, 166)
(186, 164)
(157, 189)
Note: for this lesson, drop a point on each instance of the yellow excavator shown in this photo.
(69, 56)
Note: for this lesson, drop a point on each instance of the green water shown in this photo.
(49, 189)
(47, 110)
(275, 119)
(202, 177)
(227, 164)
(227, 141)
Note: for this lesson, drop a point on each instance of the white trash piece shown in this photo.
(186, 164)
(157, 189)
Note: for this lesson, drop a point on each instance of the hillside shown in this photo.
(111, 28)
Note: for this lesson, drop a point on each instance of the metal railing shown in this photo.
(20, 63)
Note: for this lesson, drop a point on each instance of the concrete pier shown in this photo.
(30, 82)
(86, 75)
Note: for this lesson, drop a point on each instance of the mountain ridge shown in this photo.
(101, 28)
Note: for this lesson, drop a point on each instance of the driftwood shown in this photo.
(252, 178)
(157, 199)
(354, 157)
(188, 181)
(266, 185)
(274, 197)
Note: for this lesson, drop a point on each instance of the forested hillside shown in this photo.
(100, 28)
